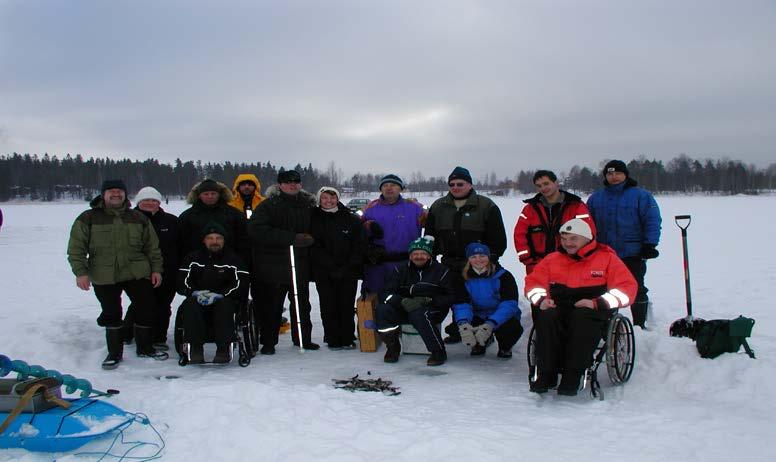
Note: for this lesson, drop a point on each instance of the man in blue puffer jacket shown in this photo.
(488, 307)
(628, 220)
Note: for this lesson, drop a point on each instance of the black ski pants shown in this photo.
(272, 312)
(337, 298)
(424, 320)
(140, 293)
(566, 337)
(197, 319)
(638, 268)
(163, 297)
(506, 334)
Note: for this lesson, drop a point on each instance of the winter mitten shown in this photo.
(467, 334)
(213, 297)
(376, 229)
(303, 240)
(203, 297)
(482, 333)
(649, 251)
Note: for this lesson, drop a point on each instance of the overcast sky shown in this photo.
(398, 86)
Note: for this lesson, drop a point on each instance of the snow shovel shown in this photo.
(685, 327)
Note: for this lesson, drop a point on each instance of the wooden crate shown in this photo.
(368, 340)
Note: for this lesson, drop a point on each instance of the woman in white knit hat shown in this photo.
(148, 200)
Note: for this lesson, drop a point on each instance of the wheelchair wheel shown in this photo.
(531, 354)
(249, 332)
(620, 349)
(178, 332)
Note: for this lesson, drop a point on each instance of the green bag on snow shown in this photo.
(719, 336)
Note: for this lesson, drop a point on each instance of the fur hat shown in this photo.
(391, 178)
(113, 184)
(324, 189)
(577, 226)
(616, 166)
(477, 248)
(425, 243)
(460, 173)
(289, 176)
(149, 192)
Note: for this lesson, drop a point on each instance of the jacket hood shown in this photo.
(193, 196)
(246, 177)
(274, 191)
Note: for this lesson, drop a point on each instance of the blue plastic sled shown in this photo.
(60, 430)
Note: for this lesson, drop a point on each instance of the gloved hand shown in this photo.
(303, 240)
(411, 304)
(202, 296)
(483, 333)
(467, 334)
(376, 229)
(207, 298)
(649, 251)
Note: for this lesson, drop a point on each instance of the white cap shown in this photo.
(149, 192)
(577, 226)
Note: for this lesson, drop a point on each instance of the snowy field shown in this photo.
(676, 406)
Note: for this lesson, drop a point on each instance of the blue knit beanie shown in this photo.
(477, 248)
(391, 178)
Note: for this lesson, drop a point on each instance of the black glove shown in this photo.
(377, 230)
(649, 251)
(411, 304)
(303, 240)
(375, 254)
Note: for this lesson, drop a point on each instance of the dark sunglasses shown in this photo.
(458, 184)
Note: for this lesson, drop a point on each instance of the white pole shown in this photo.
(296, 298)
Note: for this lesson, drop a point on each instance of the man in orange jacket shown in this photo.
(574, 289)
(246, 194)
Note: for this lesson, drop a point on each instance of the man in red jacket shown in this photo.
(574, 289)
(536, 232)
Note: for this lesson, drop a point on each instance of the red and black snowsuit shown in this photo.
(537, 228)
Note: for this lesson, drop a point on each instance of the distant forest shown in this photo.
(48, 178)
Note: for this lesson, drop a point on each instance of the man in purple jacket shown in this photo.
(392, 222)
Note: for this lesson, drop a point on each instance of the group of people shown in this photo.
(581, 261)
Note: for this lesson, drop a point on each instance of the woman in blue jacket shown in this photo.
(489, 307)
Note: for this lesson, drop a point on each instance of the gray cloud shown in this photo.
(390, 85)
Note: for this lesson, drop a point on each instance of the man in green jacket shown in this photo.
(115, 249)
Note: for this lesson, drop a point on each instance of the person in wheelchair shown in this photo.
(215, 282)
(575, 289)
(487, 307)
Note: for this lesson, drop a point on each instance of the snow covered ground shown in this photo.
(676, 406)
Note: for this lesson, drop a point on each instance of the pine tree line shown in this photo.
(74, 177)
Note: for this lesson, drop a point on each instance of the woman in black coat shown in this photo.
(337, 265)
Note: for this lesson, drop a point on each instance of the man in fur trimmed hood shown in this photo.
(246, 193)
(209, 201)
(282, 220)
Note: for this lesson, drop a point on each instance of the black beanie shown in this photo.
(213, 227)
(460, 173)
(616, 166)
(208, 185)
(289, 176)
(113, 184)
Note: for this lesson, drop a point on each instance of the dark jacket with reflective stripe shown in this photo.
(223, 273)
(478, 220)
(113, 245)
(434, 280)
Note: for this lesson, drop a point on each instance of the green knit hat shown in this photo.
(425, 243)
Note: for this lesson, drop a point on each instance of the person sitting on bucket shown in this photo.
(420, 292)
(574, 288)
(214, 281)
(488, 305)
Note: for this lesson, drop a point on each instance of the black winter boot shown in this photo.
(114, 337)
(437, 358)
(545, 381)
(196, 353)
(222, 353)
(145, 348)
(392, 345)
(569, 382)
(453, 335)
(639, 313)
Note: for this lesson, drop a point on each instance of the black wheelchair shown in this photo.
(244, 341)
(617, 349)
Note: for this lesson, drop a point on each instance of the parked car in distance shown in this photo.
(357, 205)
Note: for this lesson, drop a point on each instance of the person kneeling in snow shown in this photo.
(575, 288)
(214, 281)
(488, 306)
(418, 291)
